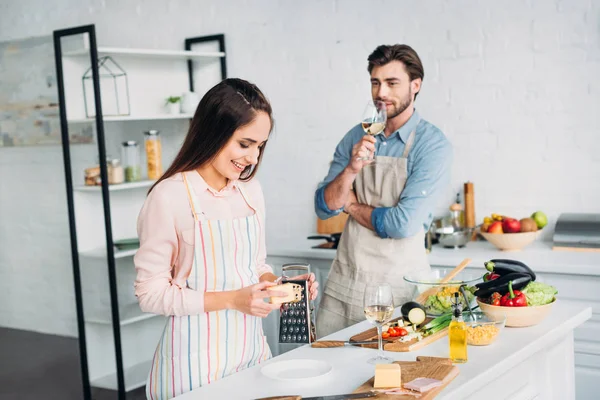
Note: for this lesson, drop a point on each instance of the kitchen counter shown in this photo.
(524, 363)
(539, 256)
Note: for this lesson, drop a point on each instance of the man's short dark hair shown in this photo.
(385, 54)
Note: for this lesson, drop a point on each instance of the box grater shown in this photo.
(296, 319)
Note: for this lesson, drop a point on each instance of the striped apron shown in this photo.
(195, 350)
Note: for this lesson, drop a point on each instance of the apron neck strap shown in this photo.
(409, 143)
(191, 196)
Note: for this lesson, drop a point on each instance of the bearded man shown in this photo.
(390, 198)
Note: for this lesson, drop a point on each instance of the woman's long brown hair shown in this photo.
(226, 107)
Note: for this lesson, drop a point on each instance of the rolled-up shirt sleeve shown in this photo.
(341, 158)
(155, 289)
(429, 178)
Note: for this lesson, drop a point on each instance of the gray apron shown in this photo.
(363, 257)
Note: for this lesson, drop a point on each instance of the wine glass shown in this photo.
(379, 307)
(373, 121)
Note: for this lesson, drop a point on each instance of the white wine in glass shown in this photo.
(373, 121)
(379, 308)
(378, 315)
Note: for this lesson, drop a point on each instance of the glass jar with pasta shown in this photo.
(153, 154)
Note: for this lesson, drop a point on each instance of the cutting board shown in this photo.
(332, 225)
(393, 344)
(424, 367)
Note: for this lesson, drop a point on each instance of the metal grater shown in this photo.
(296, 321)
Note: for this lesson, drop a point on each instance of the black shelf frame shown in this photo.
(90, 30)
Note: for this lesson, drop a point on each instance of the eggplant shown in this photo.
(413, 312)
(500, 285)
(503, 267)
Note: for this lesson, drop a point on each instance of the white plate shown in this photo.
(298, 369)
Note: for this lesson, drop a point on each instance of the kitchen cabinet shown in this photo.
(576, 275)
(117, 340)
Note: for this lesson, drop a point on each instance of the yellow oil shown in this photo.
(457, 337)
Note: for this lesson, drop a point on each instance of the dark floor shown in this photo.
(35, 366)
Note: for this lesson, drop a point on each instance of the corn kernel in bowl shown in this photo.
(482, 335)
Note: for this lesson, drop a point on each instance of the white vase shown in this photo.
(173, 108)
(189, 102)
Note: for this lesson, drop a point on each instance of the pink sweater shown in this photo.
(166, 232)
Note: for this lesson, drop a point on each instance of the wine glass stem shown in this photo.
(379, 334)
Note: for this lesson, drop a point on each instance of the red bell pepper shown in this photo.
(514, 298)
(490, 276)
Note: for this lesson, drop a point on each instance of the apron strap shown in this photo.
(409, 144)
(191, 196)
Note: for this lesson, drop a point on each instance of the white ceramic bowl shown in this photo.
(518, 316)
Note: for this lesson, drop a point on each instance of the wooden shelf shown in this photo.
(128, 315)
(135, 377)
(149, 53)
(124, 118)
(117, 187)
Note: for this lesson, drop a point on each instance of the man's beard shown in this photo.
(402, 106)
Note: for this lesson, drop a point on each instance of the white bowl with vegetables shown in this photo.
(440, 303)
(539, 298)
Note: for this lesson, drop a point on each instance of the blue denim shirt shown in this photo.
(429, 164)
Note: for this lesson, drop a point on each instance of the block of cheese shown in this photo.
(293, 290)
(387, 376)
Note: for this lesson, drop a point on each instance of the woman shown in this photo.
(202, 252)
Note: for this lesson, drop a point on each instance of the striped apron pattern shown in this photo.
(195, 350)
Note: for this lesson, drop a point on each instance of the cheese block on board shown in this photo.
(293, 290)
(387, 376)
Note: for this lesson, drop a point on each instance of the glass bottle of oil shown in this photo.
(457, 333)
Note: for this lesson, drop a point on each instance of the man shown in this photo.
(389, 201)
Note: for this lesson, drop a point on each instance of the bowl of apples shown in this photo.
(507, 233)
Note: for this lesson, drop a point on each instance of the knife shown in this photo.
(331, 397)
(321, 344)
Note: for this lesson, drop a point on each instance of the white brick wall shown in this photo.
(513, 84)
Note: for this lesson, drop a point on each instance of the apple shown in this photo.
(511, 225)
(540, 219)
(495, 227)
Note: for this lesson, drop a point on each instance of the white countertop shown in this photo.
(350, 368)
(539, 256)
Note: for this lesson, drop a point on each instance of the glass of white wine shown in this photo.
(373, 121)
(379, 308)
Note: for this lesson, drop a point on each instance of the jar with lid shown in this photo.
(153, 154)
(114, 172)
(131, 161)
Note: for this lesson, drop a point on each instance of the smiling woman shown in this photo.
(234, 107)
(202, 251)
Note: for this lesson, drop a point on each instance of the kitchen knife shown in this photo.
(322, 344)
(331, 397)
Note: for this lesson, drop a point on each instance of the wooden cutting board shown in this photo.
(424, 367)
(393, 344)
(332, 225)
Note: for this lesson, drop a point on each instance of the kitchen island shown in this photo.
(576, 275)
(524, 363)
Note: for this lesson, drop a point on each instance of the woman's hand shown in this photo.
(250, 299)
(366, 146)
(313, 285)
